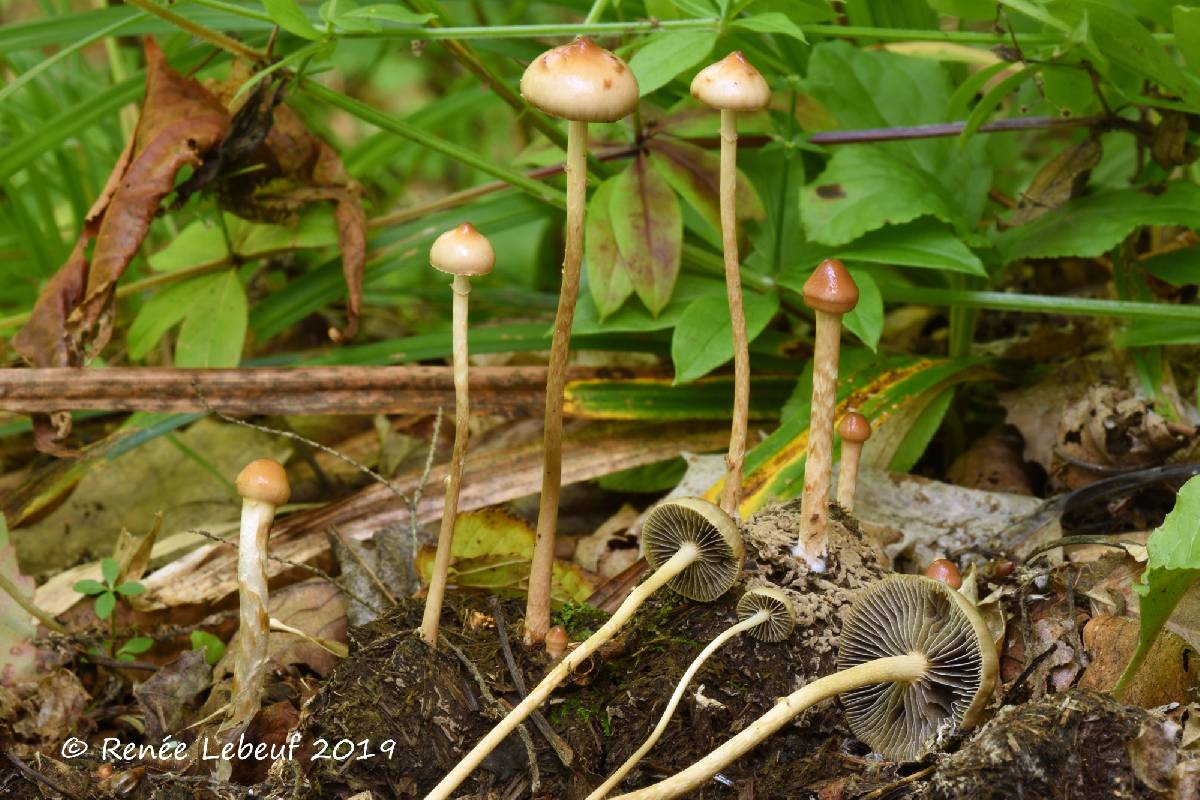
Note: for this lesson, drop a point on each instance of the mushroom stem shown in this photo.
(687, 554)
(461, 287)
(731, 496)
(908, 667)
(848, 474)
(250, 658)
(537, 609)
(814, 505)
(757, 619)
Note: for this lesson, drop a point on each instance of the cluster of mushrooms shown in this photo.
(915, 659)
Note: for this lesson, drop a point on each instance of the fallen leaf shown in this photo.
(16, 625)
(72, 319)
(165, 695)
(1170, 672)
(1060, 179)
(60, 701)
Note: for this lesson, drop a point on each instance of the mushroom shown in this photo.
(916, 662)
(693, 546)
(556, 642)
(764, 611)
(732, 85)
(944, 570)
(830, 292)
(854, 430)
(464, 253)
(263, 485)
(582, 83)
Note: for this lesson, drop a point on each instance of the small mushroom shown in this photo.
(464, 253)
(556, 642)
(263, 485)
(944, 570)
(854, 430)
(830, 292)
(916, 661)
(694, 547)
(732, 85)
(580, 82)
(766, 613)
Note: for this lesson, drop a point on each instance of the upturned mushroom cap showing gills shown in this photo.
(581, 81)
(674, 523)
(913, 614)
(854, 428)
(732, 83)
(264, 480)
(462, 251)
(782, 619)
(830, 288)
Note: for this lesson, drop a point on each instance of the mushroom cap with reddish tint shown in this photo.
(854, 428)
(830, 288)
(264, 480)
(944, 570)
(581, 81)
(462, 251)
(732, 83)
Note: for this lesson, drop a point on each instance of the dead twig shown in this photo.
(907, 779)
(37, 777)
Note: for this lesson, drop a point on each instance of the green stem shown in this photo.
(598, 8)
(1042, 304)
(200, 32)
(236, 10)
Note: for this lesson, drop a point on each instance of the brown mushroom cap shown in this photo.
(462, 251)
(946, 571)
(732, 83)
(854, 428)
(264, 480)
(581, 81)
(673, 523)
(830, 288)
(782, 620)
(556, 641)
(913, 614)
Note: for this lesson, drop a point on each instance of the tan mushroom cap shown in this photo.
(581, 81)
(673, 523)
(854, 428)
(914, 614)
(264, 480)
(556, 641)
(462, 251)
(732, 83)
(782, 620)
(830, 288)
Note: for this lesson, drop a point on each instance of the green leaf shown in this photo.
(703, 338)
(994, 97)
(1035, 9)
(214, 330)
(389, 13)
(865, 320)
(136, 645)
(105, 604)
(1090, 226)
(130, 588)
(287, 15)
(203, 242)
(928, 420)
(667, 54)
(923, 244)
(864, 188)
(771, 22)
(695, 173)
(663, 399)
(110, 569)
(89, 587)
(648, 478)
(213, 647)
(1115, 36)
(1172, 567)
(1187, 34)
(608, 279)
(648, 227)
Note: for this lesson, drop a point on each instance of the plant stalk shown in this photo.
(754, 621)
(461, 287)
(537, 611)
(818, 466)
(216, 38)
(13, 591)
(659, 578)
(731, 494)
(893, 669)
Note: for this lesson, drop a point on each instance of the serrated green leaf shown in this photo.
(703, 338)
(105, 604)
(667, 54)
(922, 244)
(648, 227)
(214, 330)
(608, 279)
(1173, 565)
(287, 15)
(771, 22)
(1090, 226)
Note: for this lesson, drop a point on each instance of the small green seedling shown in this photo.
(107, 593)
(213, 647)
